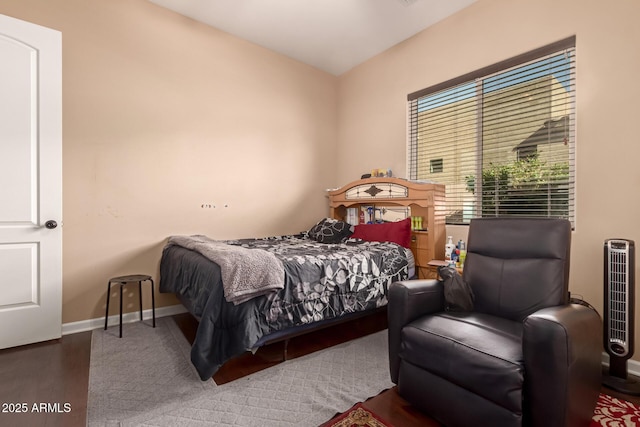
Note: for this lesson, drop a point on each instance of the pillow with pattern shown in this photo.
(330, 230)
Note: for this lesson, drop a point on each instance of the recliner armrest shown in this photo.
(562, 349)
(409, 300)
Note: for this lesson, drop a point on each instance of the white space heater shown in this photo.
(619, 297)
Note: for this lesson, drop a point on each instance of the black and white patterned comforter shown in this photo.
(322, 281)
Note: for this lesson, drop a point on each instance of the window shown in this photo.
(436, 165)
(501, 139)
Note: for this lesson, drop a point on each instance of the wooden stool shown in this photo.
(122, 281)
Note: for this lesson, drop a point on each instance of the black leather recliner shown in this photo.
(524, 356)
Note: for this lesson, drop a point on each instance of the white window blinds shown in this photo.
(501, 139)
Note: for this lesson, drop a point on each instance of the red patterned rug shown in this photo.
(358, 416)
(612, 412)
(609, 412)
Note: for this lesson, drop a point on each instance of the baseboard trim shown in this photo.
(91, 324)
(633, 366)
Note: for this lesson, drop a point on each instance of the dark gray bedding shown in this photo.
(322, 281)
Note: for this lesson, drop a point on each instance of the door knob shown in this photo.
(51, 224)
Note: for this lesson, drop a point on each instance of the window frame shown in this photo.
(484, 74)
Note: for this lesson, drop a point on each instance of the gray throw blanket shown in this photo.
(246, 273)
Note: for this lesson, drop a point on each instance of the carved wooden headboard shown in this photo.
(425, 200)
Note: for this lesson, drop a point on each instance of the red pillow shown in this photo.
(397, 232)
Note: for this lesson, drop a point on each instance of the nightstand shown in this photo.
(422, 253)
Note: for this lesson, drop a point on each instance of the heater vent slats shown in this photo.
(618, 298)
(618, 294)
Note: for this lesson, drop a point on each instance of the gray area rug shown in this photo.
(147, 379)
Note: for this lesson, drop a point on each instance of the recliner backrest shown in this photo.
(517, 266)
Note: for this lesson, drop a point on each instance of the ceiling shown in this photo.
(332, 35)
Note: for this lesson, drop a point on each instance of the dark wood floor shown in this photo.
(53, 372)
(56, 373)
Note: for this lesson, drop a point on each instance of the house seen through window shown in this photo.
(502, 139)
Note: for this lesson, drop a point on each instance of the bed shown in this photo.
(327, 278)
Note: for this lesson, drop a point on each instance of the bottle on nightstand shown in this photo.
(463, 253)
(449, 248)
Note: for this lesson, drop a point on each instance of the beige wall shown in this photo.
(372, 130)
(162, 114)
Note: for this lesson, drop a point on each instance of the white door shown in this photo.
(30, 183)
